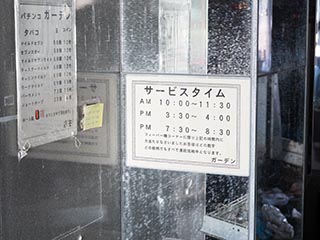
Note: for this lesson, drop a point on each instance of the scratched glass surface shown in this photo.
(229, 52)
(168, 36)
(61, 192)
(229, 37)
(53, 195)
(154, 36)
(98, 35)
(162, 204)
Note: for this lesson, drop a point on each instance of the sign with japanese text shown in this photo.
(98, 145)
(188, 123)
(46, 71)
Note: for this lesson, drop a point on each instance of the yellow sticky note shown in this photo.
(93, 116)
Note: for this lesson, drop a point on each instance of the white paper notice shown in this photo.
(46, 71)
(188, 123)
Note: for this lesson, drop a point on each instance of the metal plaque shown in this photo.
(188, 123)
(46, 71)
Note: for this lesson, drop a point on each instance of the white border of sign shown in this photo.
(158, 162)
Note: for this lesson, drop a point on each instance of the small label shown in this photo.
(93, 116)
(9, 100)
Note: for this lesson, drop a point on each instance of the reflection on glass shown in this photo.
(316, 96)
(167, 36)
(98, 35)
(280, 170)
(227, 207)
(62, 192)
(174, 35)
(162, 204)
(84, 3)
(265, 35)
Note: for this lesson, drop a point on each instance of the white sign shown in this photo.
(188, 123)
(46, 71)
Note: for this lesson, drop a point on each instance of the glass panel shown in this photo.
(168, 36)
(229, 52)
(316, 96)
(281, 101)
(265, 35)
(162, 204)
(59, 191)
(98, 36)
(312, 174)
(229, 34)
(158, 204)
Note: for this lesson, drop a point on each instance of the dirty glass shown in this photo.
(158, 37)
(167, 36)
(229, 37)
(64, 190)
(59, 191)
(159, 204)
(280, 137)
(98, 36)
(229, 53)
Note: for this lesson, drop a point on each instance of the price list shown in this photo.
(46, 72)
(190, 124)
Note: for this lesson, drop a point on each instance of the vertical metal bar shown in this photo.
(254, 78)
(312, 8)
(122, 130)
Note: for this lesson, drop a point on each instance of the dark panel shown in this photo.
(140, 36)
(98, 36)
(292, 92)
(7, 60)
(288, 34)
(229, 34)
